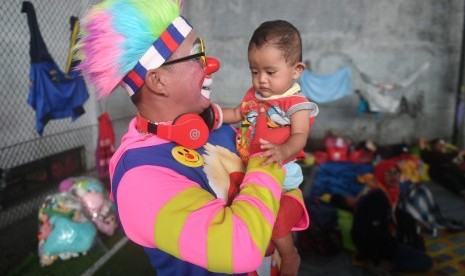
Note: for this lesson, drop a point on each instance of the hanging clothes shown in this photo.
(386, 97)
(105, 145)
(460, 113)
(326, 88)
(52, 94)
(71, 63)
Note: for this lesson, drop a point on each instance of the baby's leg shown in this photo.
(290, 259)
(289, 214)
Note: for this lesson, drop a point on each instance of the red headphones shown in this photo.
(188, 130)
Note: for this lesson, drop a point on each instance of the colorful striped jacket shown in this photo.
(165, 203)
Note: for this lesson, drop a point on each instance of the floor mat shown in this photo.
(448, 253)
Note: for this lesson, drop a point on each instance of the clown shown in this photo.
(168, 206)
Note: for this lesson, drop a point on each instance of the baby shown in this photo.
(275, 60)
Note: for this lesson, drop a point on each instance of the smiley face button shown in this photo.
(187, 157)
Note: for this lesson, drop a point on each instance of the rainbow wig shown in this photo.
(121, 39)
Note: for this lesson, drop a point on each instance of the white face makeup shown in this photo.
(206, 91)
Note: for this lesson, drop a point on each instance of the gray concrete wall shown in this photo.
(387, 39)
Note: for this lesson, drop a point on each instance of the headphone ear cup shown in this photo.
(188, 130)
(213, 117)
(208, 117)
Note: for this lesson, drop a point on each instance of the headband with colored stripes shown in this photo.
(157, 54)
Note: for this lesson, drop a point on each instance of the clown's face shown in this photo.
(190, 78)
(187, 78)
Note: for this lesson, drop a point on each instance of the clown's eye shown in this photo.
(196, 48)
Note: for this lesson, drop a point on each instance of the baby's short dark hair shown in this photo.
(282, 35)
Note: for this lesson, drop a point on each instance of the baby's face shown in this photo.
(271, 74)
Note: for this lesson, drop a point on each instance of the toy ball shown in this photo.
(66, 185)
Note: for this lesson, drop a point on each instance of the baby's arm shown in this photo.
(232, 115)
(300, 128)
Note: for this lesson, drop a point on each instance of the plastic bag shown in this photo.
(63, 231)
(95, 203)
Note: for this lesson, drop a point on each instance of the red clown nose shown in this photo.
(212, 65)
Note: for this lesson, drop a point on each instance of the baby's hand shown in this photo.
(274, 152)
